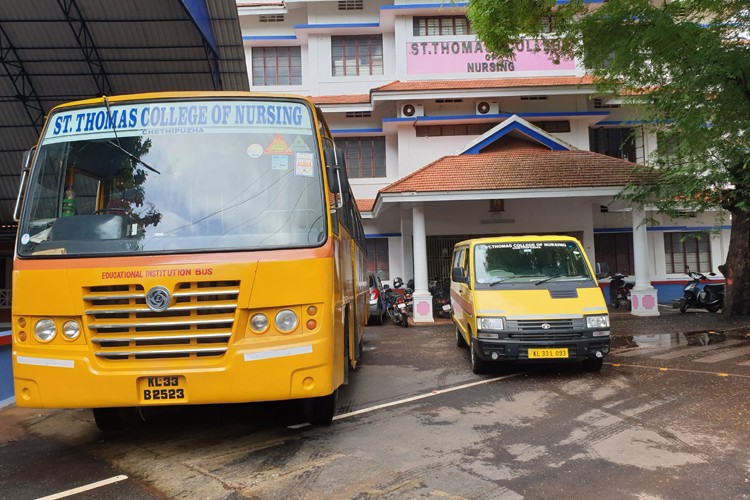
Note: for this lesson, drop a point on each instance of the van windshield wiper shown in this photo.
(512, 278)
(560, 276)
(545, 280)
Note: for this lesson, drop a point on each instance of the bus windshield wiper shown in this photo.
(117, 144)
(132, 156)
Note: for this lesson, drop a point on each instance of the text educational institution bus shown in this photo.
(186, 248)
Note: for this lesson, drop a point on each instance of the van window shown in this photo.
(529, 261)
(459, 260)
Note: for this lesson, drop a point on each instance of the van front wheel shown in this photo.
(478, 365)
(593, 364)
(460, 340)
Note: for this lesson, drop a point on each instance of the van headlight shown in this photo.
(490, 324)
(599, 321)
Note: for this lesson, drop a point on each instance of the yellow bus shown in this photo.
(186, 248)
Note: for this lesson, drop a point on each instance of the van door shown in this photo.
(463, 310)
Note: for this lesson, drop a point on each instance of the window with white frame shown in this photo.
(616, 142)
(687, 249)
(441, 25)
(357, 55)
(365, 156)
(277, 66)
(377, 257)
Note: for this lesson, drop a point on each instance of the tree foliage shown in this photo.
(685, 63)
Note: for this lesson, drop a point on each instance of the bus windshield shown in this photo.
(175, 176)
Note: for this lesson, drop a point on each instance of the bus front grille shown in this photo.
(198, 323)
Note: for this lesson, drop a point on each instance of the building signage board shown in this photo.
(471, 56)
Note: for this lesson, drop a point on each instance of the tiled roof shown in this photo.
(365, 205)
(519, 168)
(547, 81)
(342, 99)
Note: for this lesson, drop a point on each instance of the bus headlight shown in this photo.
(71, 330)
(601, 321)
(45, 330)
(286, 320)
(259, 323)
(490, 324)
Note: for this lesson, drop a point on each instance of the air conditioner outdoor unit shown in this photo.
(410, 110)
(487, 108)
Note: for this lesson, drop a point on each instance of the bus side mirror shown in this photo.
(25, 166)
(457, 274)
(338, 182)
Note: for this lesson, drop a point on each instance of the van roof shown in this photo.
(511, 239)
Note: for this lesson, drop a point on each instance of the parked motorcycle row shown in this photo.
(710, 296)
(399, 300)
(619, 291)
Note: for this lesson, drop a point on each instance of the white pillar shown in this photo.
(422, 309)
(643, 295)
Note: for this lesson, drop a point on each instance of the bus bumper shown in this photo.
(63, 381)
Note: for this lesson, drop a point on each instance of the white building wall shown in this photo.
(405, 152)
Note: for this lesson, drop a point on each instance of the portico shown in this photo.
(515, 179)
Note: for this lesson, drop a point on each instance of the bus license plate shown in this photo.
(162, 389)
(559, 352)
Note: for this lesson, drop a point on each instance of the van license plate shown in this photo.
(446, 307)
(559, 352)
(162, 389)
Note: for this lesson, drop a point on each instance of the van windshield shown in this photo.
(529, 262)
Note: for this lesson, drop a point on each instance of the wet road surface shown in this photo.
(667, 418)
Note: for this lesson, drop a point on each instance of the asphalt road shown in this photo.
(667, 418)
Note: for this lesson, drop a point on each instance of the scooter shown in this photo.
(710, 297)
(395, 306)
(619, 291)
(441, 300)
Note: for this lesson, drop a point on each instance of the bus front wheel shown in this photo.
(115, 419)
(320, 410)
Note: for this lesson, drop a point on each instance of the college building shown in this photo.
(443, 143)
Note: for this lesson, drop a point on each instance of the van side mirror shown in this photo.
(457, 274)
(338, 182)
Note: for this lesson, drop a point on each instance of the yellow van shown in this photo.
(527, 298)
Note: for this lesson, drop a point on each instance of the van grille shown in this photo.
(534, 330)
(198, 323)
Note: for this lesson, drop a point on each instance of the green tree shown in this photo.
(686, 65)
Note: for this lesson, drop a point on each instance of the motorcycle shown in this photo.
(395, 306)
(710, 297)
(441, 300)
(619, 291)
(407, 292)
